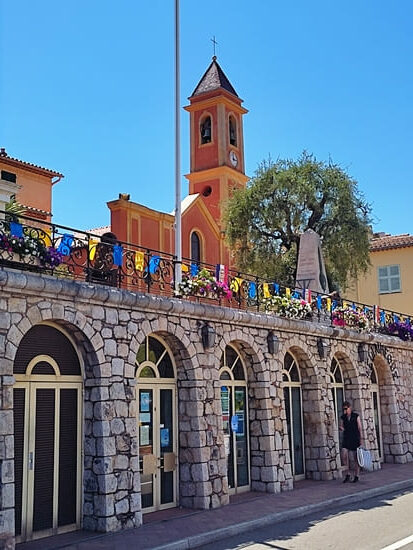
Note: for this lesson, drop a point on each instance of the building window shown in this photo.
(232, 131)
(195, 248)
(8, 176)
(205, 129)
(389, 279)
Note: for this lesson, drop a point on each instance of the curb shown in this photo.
(195, 541)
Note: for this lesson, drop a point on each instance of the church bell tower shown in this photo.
(217, 141)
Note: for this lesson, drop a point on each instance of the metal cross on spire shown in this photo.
(214, 43)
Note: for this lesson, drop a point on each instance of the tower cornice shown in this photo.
(218, 171)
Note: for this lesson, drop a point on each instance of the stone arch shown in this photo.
(185, 351)
(351, 379)
(320, 447)
(252, 354)
(394, 450)
(74, 325)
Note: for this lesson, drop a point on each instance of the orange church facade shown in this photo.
(216, 167)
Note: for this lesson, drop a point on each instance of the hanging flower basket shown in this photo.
(287, 306)
(203, 285)
(403, 330)
(350, 318)
(28, 250)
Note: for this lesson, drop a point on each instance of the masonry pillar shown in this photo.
(112, 480)
(7, 349)
(321, 455)
(203, 470)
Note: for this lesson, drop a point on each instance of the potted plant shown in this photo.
(344, 316)
(203, 285)
(288, 306)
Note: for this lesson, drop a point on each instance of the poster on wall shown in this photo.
(234, 423)
(145, 401)
(225, 407)
(227, 444)
(144, 434)
(145, 418)
(164, 437)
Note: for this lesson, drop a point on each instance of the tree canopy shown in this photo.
(285, 198)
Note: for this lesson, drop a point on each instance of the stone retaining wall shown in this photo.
(108, 325)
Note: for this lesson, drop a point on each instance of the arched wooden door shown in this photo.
(47, 434)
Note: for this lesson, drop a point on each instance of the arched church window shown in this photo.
(205, 129)
(195, 248)
(232, 131)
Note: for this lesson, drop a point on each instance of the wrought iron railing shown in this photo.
(35, 245)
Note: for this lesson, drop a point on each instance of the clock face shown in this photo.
(233, 158)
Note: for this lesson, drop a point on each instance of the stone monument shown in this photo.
(311, 271)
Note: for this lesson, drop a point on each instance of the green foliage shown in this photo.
(14, 209)
(285, 198)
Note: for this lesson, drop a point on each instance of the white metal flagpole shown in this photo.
(178, 213)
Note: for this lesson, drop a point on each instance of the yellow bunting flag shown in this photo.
(235, 284)
(265, 290)
(139, 260)
(184, 268)
(288, 292)
(45, 236)
(328, 304)
(92, 248)
(345, 304)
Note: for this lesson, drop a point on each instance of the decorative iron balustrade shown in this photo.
(35, 245)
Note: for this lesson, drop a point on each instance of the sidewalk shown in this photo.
(183, 529)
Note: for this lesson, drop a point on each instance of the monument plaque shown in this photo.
(311, 272)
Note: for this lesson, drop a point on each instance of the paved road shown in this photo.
(374, 524)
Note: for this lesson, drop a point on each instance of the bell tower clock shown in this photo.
(216, 137)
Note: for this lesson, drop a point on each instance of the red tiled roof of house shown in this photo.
(384, 241)
(32, 167)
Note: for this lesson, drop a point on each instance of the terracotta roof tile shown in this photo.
(386, 242)
(34, 167)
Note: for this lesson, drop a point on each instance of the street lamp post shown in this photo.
(178, 213)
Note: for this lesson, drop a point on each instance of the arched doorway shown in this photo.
(337, 390)
(234, 403)
(294, 413)
(375, 401)
(157, 423)
(47, 434)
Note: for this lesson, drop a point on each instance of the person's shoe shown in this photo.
(356, 478)
(346, 479)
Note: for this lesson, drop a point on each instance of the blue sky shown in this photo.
(86, 88)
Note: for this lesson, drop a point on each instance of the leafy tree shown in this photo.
(285, 198)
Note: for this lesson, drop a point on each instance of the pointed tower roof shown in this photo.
(213, 79)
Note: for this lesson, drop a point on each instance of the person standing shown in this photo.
(350, 425)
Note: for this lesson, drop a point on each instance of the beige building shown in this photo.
(389, 281)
